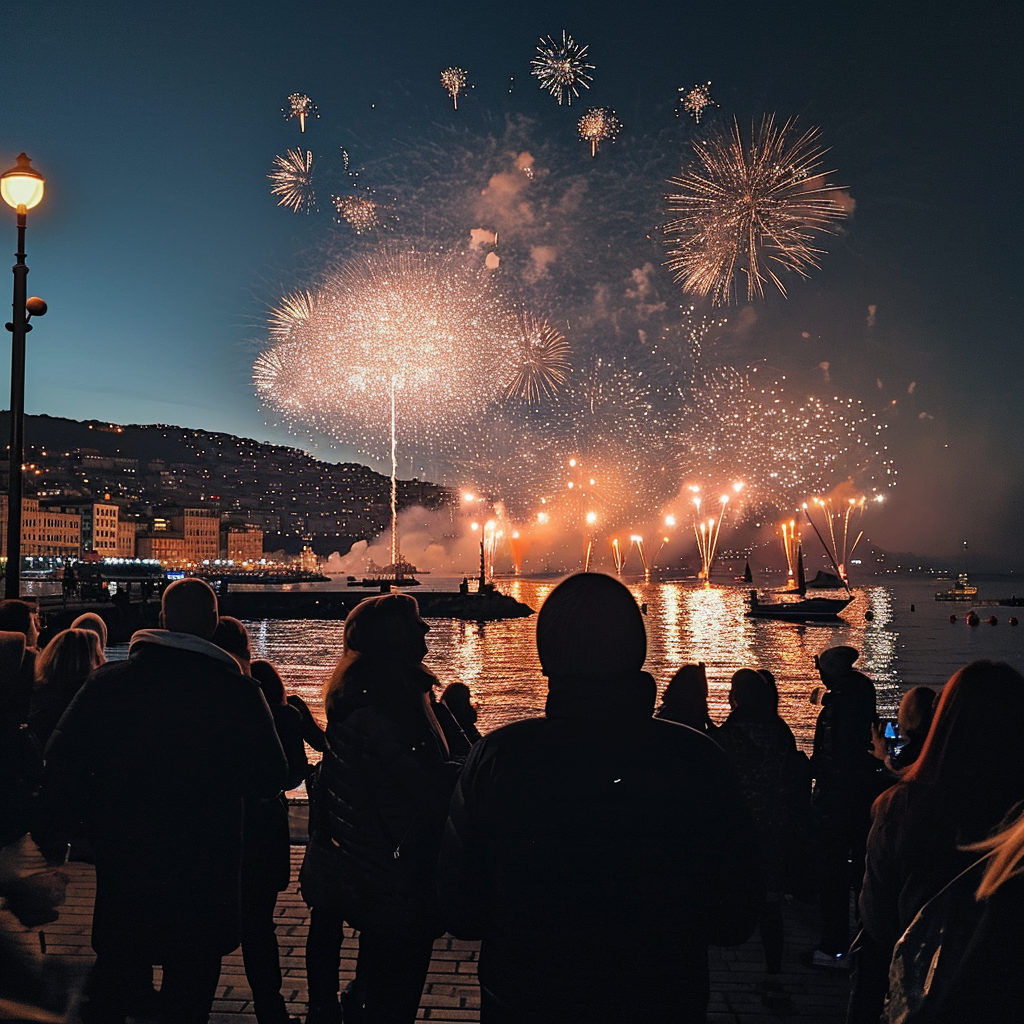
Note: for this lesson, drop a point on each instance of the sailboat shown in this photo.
(803, 608)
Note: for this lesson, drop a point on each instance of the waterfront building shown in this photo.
(244, 544)
(45, 532)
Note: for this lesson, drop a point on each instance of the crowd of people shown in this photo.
(595, 853)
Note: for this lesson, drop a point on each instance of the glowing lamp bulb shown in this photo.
(22, 186)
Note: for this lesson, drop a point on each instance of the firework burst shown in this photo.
(453, 81)
(438, 336)
(754, 209)
(562, 68)
(543, 365)
(292, 180)
(359, 212)
(300, 106)
(597, 125)
(695, 100)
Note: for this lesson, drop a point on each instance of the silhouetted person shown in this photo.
(847, 778)
(968, 777)
(685, 700)
(158, 752)
(18, 616)
(61, 668)
(597, 851)
(914, 717)
(763, 751)
(459, 701)
(378, 810)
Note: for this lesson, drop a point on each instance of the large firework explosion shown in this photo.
(433, 333)
(562, 68)
(542, 367)
(753, 208)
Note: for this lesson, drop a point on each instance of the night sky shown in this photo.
(159, 248)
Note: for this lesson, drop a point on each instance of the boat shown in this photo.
(799, 608)
(962, 590)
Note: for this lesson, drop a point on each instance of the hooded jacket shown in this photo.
(156, 754)
(597, 852)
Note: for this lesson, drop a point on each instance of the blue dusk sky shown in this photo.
(159, 248)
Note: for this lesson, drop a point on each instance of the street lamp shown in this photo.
(22, 189)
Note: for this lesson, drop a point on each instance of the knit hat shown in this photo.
(836, 661)
(590, 625)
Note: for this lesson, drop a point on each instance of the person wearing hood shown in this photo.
(847, 779)
(156, 754)
(598, 851)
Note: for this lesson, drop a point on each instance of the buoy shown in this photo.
(952, 618)
(912, 608)
(992, 620)
(869, 616)
(1013, 620)
(972, 619)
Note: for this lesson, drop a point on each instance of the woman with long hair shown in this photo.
(685, 700)
(968, 777)
(61, 668)
(379, 807)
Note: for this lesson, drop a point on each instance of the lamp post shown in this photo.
(22, 189)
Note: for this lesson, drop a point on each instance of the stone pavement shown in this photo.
(451, 992)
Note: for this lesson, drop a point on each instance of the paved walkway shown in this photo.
(451, 992)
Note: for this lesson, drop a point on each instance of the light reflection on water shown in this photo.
(685, 623)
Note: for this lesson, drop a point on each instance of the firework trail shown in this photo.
(790, 544)
(543, 366)
(359, 212)
(597, 125)
(753, 209)
(292, 180)
(562, 68)
(300, 106)
(453, 81)
(695, 100)
(617, 556)
(639, 542)
(837, 523)
(706, 533)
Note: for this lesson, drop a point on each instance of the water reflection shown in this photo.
(685, 623)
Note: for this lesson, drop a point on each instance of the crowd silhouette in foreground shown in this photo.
(595, 853)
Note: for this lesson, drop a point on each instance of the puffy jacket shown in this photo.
(381, 798)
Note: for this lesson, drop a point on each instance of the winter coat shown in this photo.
(597, 852)
(381, 798)
(266, 848)
(158, 753)
(763, 752)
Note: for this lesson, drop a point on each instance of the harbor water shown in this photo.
(686, 622)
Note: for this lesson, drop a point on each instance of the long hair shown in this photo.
(1007, 860)
(976, 732)
(68, 658)
(384, 634)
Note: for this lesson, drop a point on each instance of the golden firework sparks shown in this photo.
(562, 68)
(597, 125)
(300, 106)
(292, 180)
(453, 80)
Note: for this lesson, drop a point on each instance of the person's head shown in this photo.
(769, 678)
(975, 738)
(20, 617)
(68, 658)
(189, 606)
(230, 636)
(458, 700)
(15, 691)
(752, 695)
(270, 682)
(385, 635)
(917, 708)
(90, 620)
(835, 663)
(590, 625)
(685, 699)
